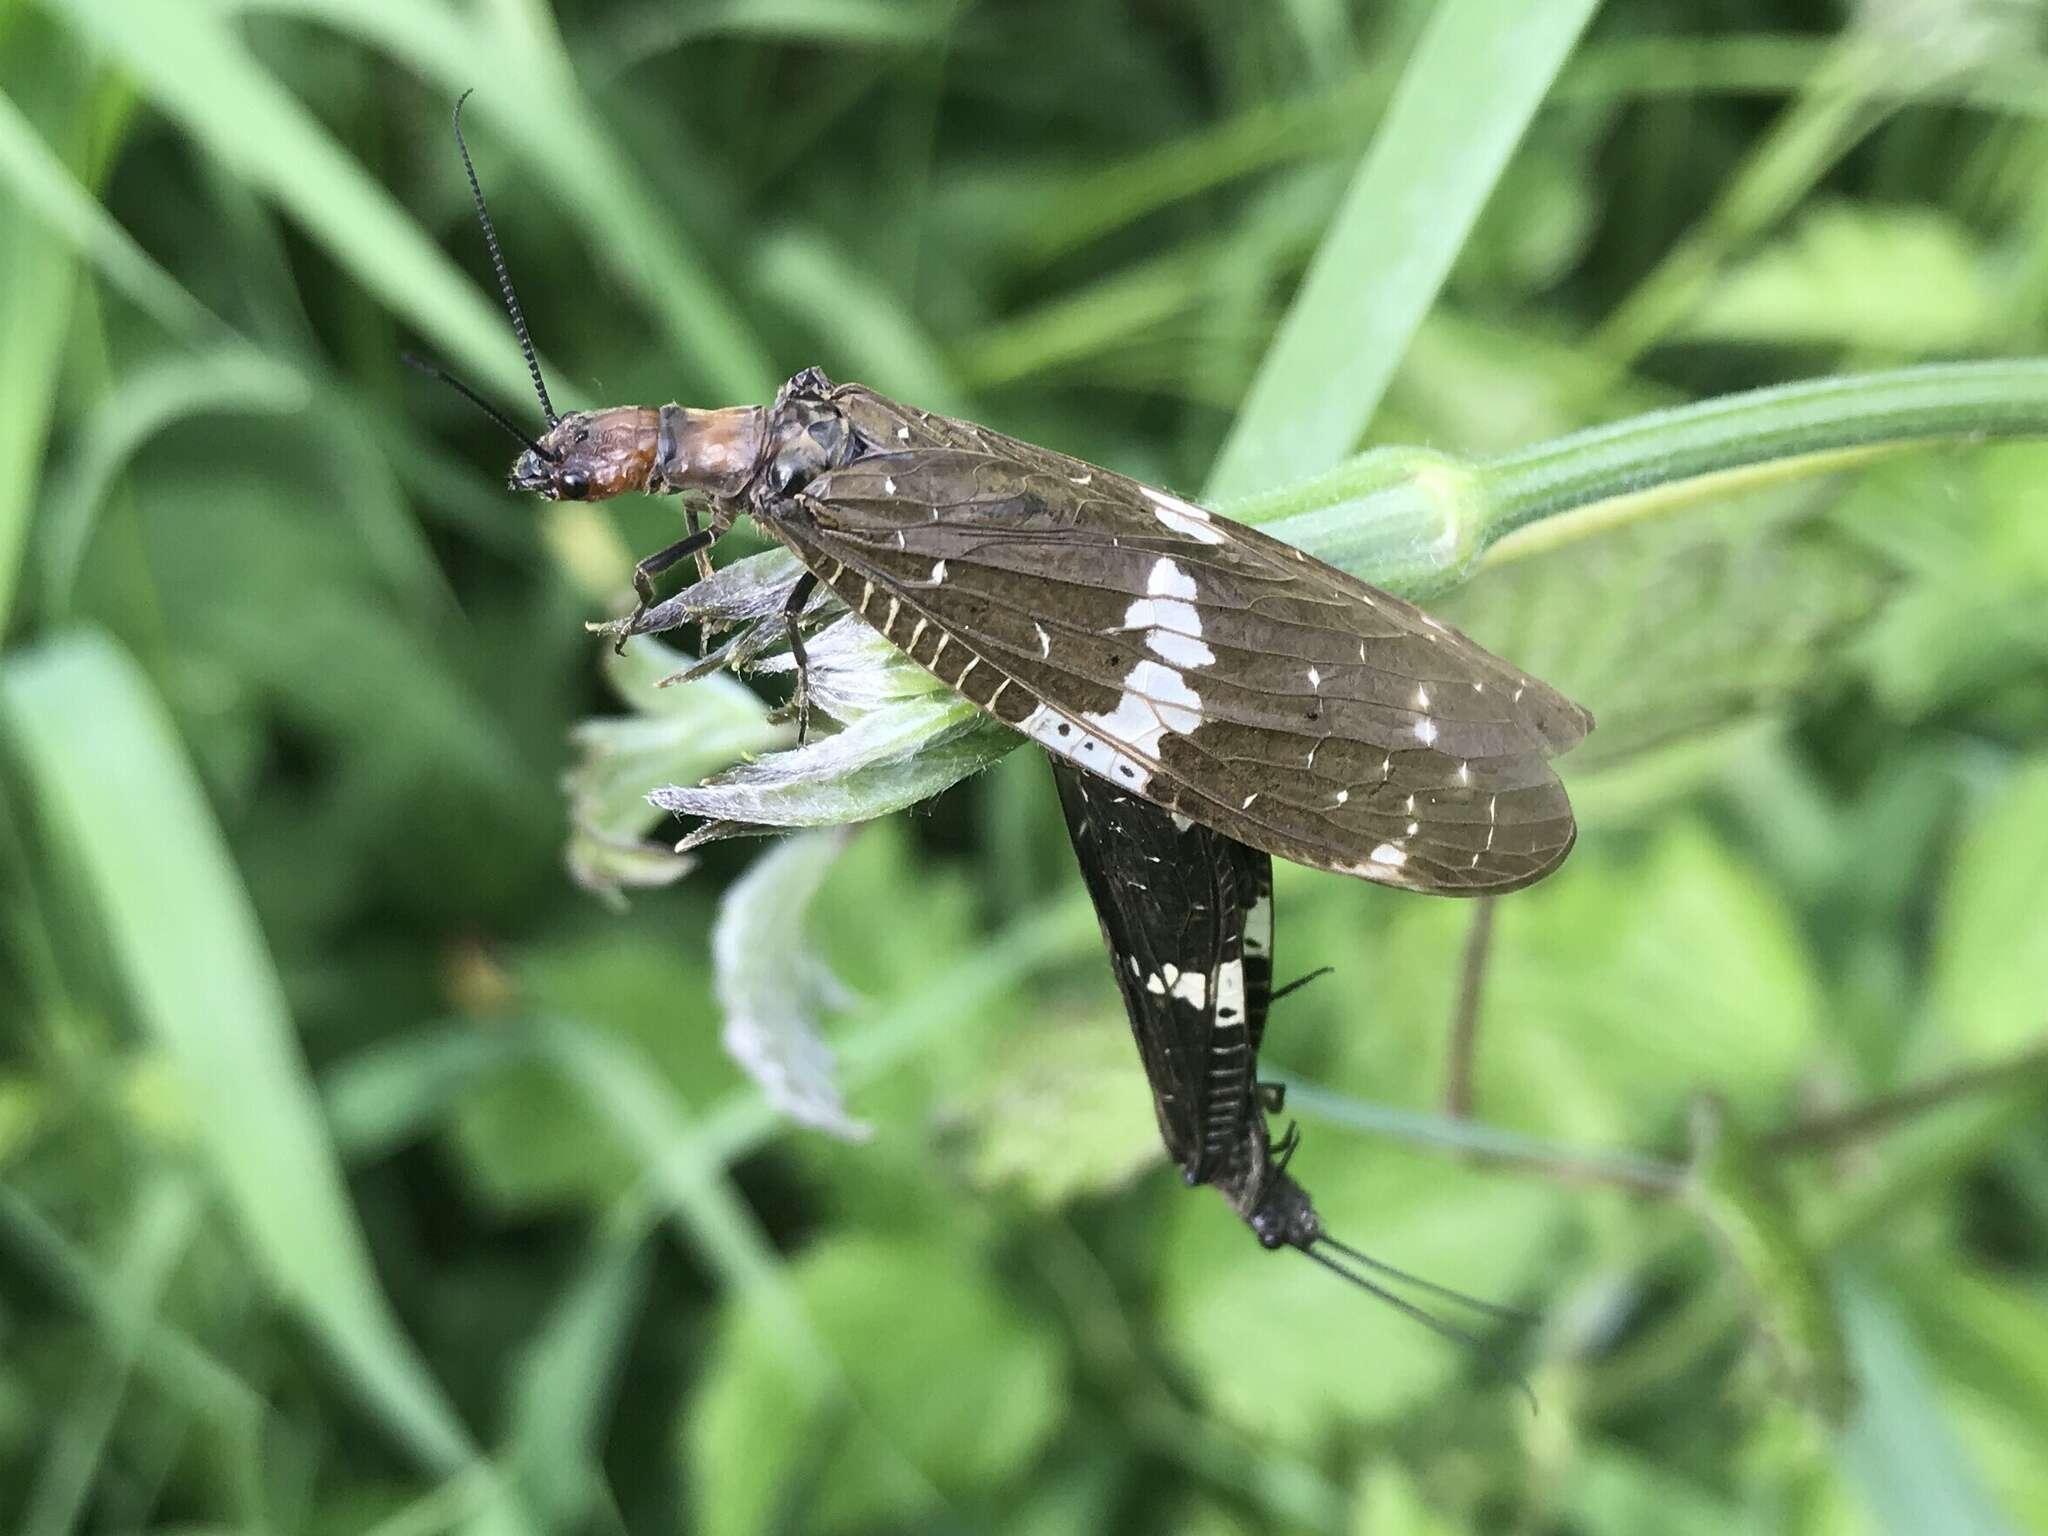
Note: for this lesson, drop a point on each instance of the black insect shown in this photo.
(1192, 661)
(1187, 915)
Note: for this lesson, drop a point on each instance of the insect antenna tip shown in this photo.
(1442, 1327)
(483, 217)
(1479, 1304)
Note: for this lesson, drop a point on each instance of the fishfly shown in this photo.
(1187, 915)
(1192, 662)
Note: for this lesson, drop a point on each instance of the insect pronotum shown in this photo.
(1187, 915)
(1191, 661)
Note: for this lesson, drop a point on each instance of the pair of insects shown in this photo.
(1187, 914)
(1209, 695)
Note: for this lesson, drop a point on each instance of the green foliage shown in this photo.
(362, 1170)
(894, 1437)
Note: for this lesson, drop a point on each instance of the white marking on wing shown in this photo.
(1173, 627)
(1183, 517)
(939, 573)
(1390, 855)
(1169, 580)
(1258, 927)
(1156, 698)
(1044, 640)
(1230, 991)
(1425, 731)
(1159, 623)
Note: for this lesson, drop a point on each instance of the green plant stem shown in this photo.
(2020, 1075)
(1417, 521)
(1690, 452)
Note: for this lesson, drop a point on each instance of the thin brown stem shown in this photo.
(1819, 1133)
(1464, 1043)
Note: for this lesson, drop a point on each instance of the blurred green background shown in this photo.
(359, 1172)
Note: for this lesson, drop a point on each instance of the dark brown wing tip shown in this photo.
(1560, 724)
(1488, 885)
(1547, 867)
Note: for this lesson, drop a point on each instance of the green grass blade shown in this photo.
(528, 91)
(1900, 1449)
(838, 24)
(1477, 76)
(93, 740)
(178, 1367)
(1841, 105)
(159, 1233)
(663, 1137)
(37, 281)
(563, 1391)
(233, 380)
(862, 320)
(1738, 1189)
(197, 71)
(44, 187)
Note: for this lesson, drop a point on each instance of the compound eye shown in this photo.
(572, 485)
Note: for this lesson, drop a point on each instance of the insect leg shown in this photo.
(792, 614)
(1301, 981)
(1272, 1097)
(644, 573)
(1283, 1150)
(703, 555)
